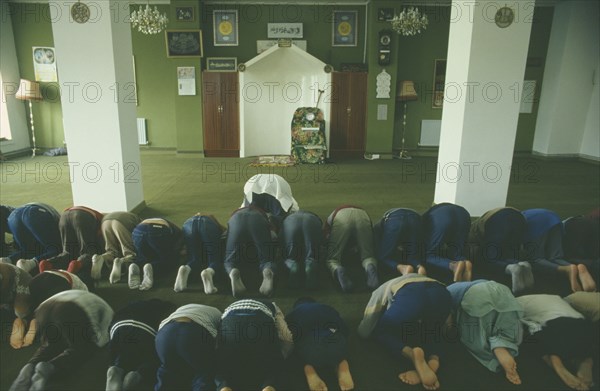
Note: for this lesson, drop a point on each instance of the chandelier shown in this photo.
(148, 21)
(409, 22)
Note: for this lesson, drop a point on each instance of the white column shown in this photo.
(571, 64)
(95, 73)
(12, 111)
(484, 77)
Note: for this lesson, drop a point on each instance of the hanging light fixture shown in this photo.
(409, 22)
(148, 21)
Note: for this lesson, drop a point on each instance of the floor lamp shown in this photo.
(30, 90)
(406, 92)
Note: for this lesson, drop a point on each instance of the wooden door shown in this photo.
(348, 114)
(221, 114)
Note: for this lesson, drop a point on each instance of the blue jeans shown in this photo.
(301, 232)
(248, 230)
(503, 238)
(203, 241)
(545, 252)
(249, 355)
(155, 244)
(415, 318)
(446, 228)
(399, 227)
(35, 232)
(187, 355)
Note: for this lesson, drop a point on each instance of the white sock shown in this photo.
(182, 278)
(148, 280)
(23, 381)
(114, 379)
(115, 273)
(266, 288)
(528, 274)
(134, 276)
(237, 286)
(5, 260)
(43, 371)
(207, 279)
(27, 264)
(97, 263)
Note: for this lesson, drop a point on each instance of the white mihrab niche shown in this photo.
(384, 85)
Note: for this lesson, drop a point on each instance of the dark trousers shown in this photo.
(132, 349)
(399, 228)
(249, 238)
(302, 233)
(66, 337)
(249, 355)
(446, 229)
(503, 238)
(187, 357)
(155, 244)
(79, 231)
(35, 232)
(415, 318)
(545, 252)
(203, 241)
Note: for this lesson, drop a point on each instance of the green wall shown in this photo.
(175, 122)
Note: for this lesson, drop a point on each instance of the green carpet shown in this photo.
(176, 187)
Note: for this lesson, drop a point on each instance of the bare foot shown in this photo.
(410, 377)
(567, 377)
(226, 389)
(315, 383)
(585, 371)
(405, 269)
(468, 274)
(587, 281)
(458, 268)
(344, 377)
(422, 271)
(17, 334)
(427, 375)
(30, 336)
(508, 364)
(572, 274)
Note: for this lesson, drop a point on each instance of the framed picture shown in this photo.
(439, 82)
(284, 30)
(344, 31)
(184, 43)
(184, 14)
(221, 64)
(225, 27)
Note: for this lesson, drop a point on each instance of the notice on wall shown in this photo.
(44, 64)
(186, 80)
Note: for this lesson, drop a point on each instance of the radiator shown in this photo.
(142, 133)
(430, 133)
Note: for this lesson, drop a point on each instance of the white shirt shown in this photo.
(205, 316)
(540, 309)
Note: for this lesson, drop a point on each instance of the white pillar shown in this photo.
(484, 77)
(95, 73)
(571, 64)
(12, 111)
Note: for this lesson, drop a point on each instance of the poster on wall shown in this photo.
(225, 27)
(44, 64)
(186, 80)
(344, 28)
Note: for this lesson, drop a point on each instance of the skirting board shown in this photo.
(576, 156)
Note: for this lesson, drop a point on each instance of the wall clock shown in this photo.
(80, 12)
(504, 17)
